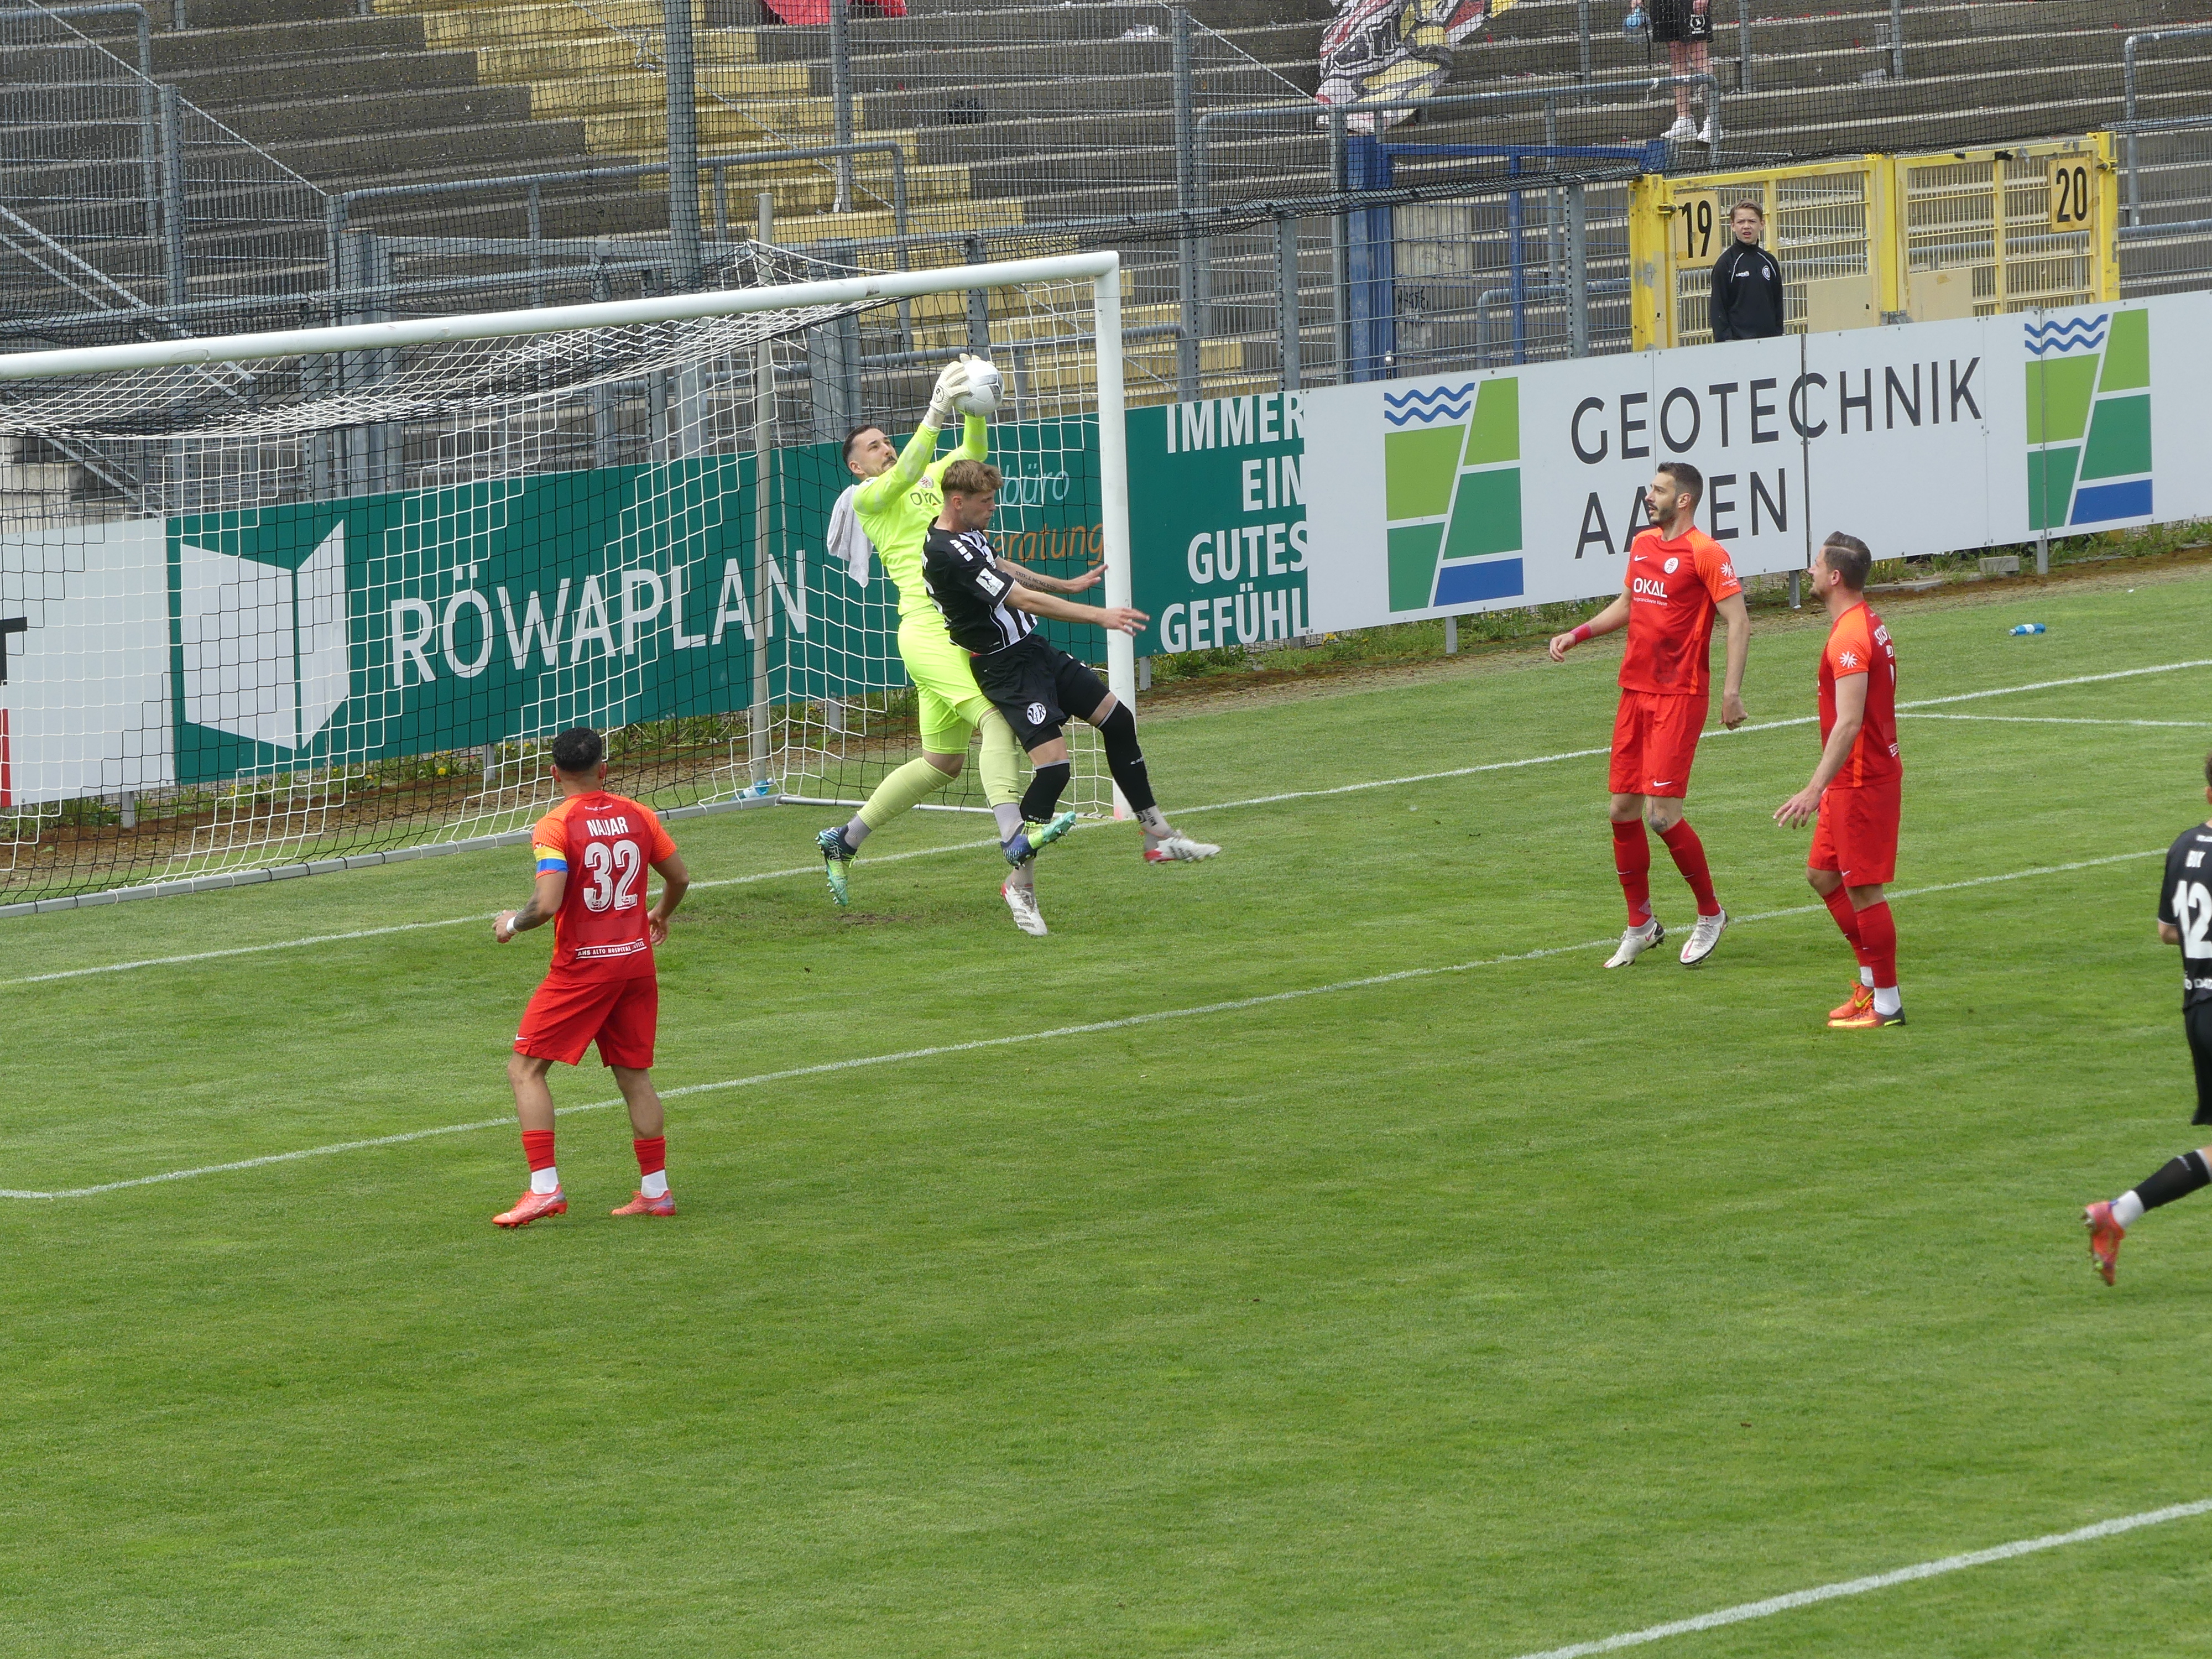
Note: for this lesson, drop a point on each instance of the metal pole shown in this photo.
(149, 145)
(1516, 277)
(683, 142)
(840, 96)
(1897, 39)
(1577, 273)
(979, 306)
(2127, 113)
(764, 477)
(764, 216)
(1340, 249)
(1797, 590)
(1286, 297)
(537, 223)
(175, 272)
(1114, 490)
(1743, 52)
(1582, 31)
(1187, 188)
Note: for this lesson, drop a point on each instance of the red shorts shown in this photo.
(1857, 834)
(1655, 738)
(568, 1012)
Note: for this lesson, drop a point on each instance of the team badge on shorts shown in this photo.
(1035, 713)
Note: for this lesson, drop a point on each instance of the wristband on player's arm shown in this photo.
(1582, 632)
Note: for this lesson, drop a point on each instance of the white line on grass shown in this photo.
(1188, 812)
(1094, 1027)
(1805, 1598)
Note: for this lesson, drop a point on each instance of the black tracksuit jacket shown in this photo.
(1746, 294)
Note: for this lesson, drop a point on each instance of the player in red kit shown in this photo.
(1857, 788)
(1678, 579)
(591, 852)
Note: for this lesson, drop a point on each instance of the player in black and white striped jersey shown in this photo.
(2185, 918)
(990, 606)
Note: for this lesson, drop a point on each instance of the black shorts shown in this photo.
(1673, 21)
(1039, 688)
(2196, 1020)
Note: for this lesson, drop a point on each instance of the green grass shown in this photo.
(1473, 1314)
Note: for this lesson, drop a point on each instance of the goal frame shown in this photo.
(1102, 270)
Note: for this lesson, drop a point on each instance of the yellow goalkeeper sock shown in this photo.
(912, 783)
(1002, 762)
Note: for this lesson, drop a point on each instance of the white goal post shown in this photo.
(300, 599)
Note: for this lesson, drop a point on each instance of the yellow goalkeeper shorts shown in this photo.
(951, 706)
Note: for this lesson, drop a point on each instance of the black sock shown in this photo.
(2176, 1178)
(1124, 760)
(1044, 793)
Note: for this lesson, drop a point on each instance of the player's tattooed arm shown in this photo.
(1037, 579)
(545, 904)
(1734, 612)
(1613, 617)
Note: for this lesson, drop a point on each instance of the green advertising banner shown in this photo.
(1217, 521)
(412, 623)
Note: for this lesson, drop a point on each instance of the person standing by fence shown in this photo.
(1686, 28)
(1747, 302)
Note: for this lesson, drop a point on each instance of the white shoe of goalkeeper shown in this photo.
(1178, 849)
(1022, 901)
(1635, 942)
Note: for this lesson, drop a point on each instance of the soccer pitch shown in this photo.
(1478, 1312)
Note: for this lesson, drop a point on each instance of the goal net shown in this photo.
(279, 602)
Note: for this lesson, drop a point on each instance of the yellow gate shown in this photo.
(1877, 238)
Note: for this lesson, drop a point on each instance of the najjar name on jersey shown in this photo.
(2184, 903)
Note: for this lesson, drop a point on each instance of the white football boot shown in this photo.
(1178, 849)
(1703, 938)
(1022, 901)
(1635, 941)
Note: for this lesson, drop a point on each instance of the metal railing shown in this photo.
(2129, 124)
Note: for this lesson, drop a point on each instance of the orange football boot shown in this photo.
(529, 1206)
(2105, 1237)
(641, 1204)
(1866, 1019)
(1860, 1000)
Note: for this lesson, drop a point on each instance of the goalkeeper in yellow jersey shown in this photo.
(896, 502)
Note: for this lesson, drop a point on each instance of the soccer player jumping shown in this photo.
(1678, 580)
(2185, 918)
(988, 603)
(1857, 788)
(591, 852)
(897, 499)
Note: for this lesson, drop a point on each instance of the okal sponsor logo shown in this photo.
(2088, 419)
(1451, 459)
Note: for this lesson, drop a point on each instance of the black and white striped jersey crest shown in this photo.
(967, 585)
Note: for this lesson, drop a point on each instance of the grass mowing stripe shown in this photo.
(1090, 1029)
(1217, 806)
(1805, 1598)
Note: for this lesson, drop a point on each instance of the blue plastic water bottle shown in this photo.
(2028, 627)
(1633, 24)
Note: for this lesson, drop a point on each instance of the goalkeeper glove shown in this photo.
(950, 385)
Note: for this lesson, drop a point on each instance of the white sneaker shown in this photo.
(1682, 132)
(1022, 901)
(1703, 938)
(1179, 849)
(1635, 942)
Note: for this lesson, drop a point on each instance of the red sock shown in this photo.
(1631, 857)
(1847, 919)
(1878, 943)
(537, 1147)
(1690, 858)
(652, 1155)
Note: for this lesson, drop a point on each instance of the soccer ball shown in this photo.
(981, 397)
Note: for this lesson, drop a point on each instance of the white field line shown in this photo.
(1188, 812)
(1805, 1598)
(1091, 1029)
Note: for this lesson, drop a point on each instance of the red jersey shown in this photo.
(1672, 588)
(1858, 643)
(604, 844)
